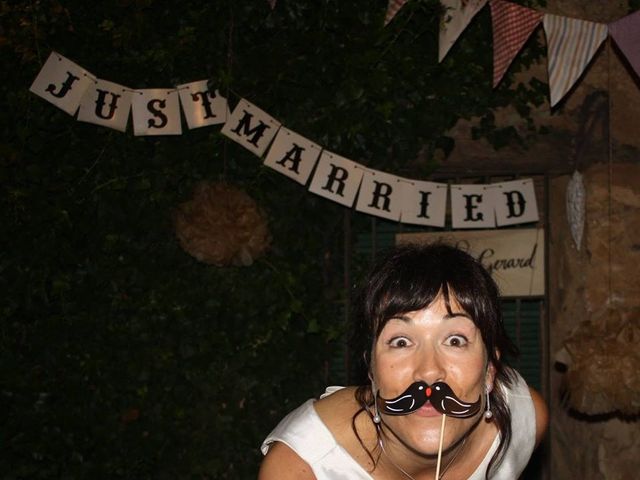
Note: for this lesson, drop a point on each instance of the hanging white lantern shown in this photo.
(576, 206)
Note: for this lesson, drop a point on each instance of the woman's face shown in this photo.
(431, 345)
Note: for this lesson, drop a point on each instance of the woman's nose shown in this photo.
(429, 366)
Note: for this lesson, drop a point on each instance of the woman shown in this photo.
(430, 317)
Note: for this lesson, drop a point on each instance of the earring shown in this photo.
(376, 416)
(488, 414)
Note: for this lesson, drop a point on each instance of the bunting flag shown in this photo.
(107, 104)
(472, 207)
(336, 178)
(514, 202)
(393, 8)
(626, 33)
(156, 111)
(62, 82)
(424, 203)
(571, 44)
(293, 155)
(380, 194)
(251, 127)
(201, 106)
(457, 16)
(512, 27)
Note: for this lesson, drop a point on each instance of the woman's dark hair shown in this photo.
(409, 278)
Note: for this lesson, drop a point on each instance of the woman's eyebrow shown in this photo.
(404, 318)
(457, 314)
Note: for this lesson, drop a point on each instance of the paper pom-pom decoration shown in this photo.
(222, 225)
(603, 374)
(576, 200)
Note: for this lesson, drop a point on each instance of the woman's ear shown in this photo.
(490, 376)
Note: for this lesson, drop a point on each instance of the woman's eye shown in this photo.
(456, 341)
(399, 342)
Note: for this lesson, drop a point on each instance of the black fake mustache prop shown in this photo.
(439, 394)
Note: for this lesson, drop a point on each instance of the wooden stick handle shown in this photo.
(440, 448)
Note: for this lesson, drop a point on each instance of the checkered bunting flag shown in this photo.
(512, 27)
(571, 44)
(393, 8)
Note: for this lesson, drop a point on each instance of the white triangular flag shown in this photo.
(571, 44)
(156, 111)
(336, 178)
(457, 16)
(62, 82)
(201, 106)
(107, 104)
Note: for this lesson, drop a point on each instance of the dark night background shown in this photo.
(121, 356)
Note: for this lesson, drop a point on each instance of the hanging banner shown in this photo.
(107, 104)
(423, 203)
(571, 44)
(156, 111)
(251, 127)
(201, 106)
(293, 155)
(513, 257)
(380, 194)
(336, 178)
(471, 207)
(514, 202)
(457, 16)
(62, 83)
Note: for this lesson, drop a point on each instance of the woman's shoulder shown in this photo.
(283, 463)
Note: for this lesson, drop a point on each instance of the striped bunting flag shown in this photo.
(512, 26)
(457, 16)
(571, 44)
(393, 8)
(626, 33)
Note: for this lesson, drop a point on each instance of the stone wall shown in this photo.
(583, 286)
(600, 281)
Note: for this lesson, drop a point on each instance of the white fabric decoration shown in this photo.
(576, 200)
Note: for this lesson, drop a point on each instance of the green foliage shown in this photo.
(120, 355)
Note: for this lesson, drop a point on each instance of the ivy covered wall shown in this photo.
(120, 355)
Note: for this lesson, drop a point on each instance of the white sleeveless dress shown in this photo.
(303, 431)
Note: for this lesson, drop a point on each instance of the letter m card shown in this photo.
(251, 127)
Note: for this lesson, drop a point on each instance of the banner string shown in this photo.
(610, 176)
